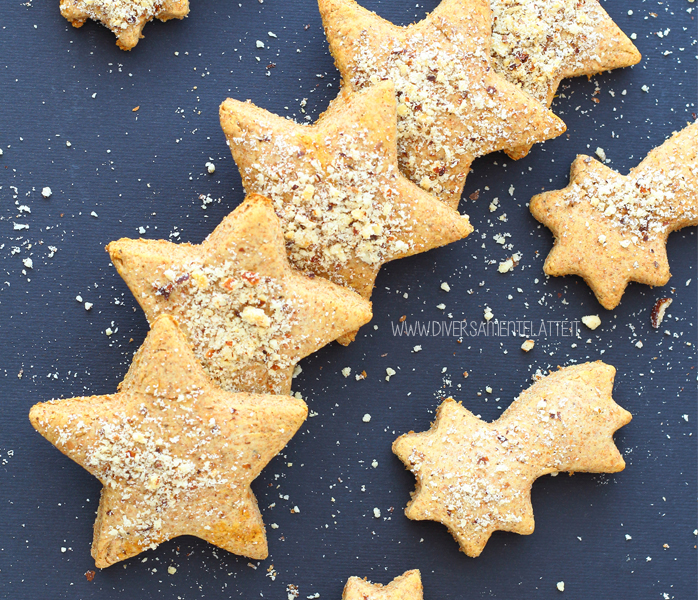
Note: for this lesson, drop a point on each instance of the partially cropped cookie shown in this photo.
(612, 229)
(476, 477)
(344, 206)
(176, 454)
(452, 106)
(538, 43)
(249, 316)
(407, 586)
(125, 18)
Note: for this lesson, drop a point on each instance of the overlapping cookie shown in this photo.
(612, 229)
(175, 453)
(249, 316)
(476, 477)
(125, 18)
(538, 43)
(344, 206)
(452, 106)
(406, 587)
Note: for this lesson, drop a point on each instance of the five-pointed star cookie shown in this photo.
(612, 229)
(538, 43)
(343, 204)
(452, 106)
(125, 18)
(407, 586)
(175, 453)
(249, 316)
(476, 477)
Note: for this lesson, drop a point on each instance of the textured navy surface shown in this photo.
(126, 170)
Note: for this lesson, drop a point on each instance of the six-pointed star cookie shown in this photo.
(344, 206)
(125, 18)
(452, 106)
(249, 316)
(175, 453)
(538, 43)
(476, 477)
(407, 586)
(612, 229)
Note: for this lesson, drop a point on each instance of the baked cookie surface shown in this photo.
(249, 316)
(407, 586)
(452, 106)
(538, 43)
(476, 477)
(175, 454)
(344, 206)
(124, 18)
(612, 229)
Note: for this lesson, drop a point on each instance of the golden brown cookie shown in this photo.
(406, 587)
(452, 106)
(344, 206)
(175, 454)
(125, 18)
(612, 229)
(249, 316)
(476, 477)
(538, 43)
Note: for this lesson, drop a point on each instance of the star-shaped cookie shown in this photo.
(452, 106)
(344, 206)
(612, 229)
(249, 316)
(125, 18)
(407, 586)
(476, 477)
(538, 43)
(175, 454)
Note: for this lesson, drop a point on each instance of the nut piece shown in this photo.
(591, 321)
(657, 314)
(527, 346)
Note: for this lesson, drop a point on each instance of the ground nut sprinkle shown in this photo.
(331, 210)
(233, 319)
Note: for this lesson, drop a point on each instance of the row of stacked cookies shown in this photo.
(452, 74)
(343, 209)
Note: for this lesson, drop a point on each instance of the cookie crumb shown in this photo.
(527, 346)
(366, 418)
(560, 586)
(591, 321)
(46, 192)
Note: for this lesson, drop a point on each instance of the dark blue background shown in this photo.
(147, 169)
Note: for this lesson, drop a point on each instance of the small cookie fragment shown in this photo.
(476, 477)
(249, 316)
(175, 453)
(591, 321)
(452, 106)
(125, 18)
(527, 346)
(407, 586)
(658, 311)
(612, 229)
